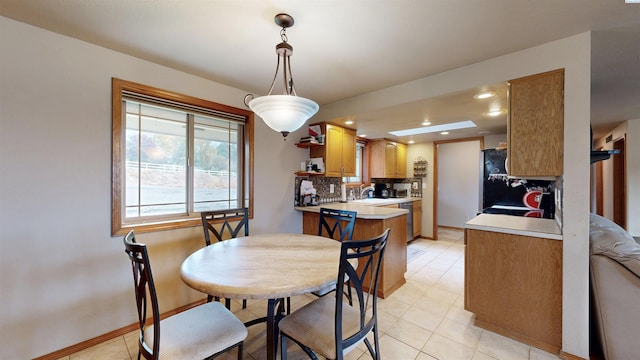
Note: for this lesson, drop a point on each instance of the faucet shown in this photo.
(363, 190)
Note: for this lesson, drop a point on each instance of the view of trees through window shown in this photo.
(157, 162)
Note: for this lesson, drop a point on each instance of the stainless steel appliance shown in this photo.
(408, 206)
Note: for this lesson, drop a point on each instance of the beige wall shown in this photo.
(630, 130)
(64, 279)
(574, 55)
(425, 151)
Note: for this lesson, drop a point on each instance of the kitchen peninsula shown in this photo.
(513, 277)
(372, 221)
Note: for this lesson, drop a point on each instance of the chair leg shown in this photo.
(283, 347)
(209, 298)
(240, 350)
(244, 303)
(227, 304)
(288, 305)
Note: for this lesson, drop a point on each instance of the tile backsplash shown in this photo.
(323, 185)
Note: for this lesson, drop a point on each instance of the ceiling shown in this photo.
(344, 48)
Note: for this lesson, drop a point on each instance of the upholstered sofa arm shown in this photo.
(615, 288)
(616, 308)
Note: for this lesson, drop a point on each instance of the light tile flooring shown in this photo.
(423, 320)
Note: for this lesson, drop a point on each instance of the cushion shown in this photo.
(609, 239)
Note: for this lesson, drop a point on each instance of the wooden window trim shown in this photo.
(118, 148)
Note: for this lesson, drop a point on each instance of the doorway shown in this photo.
(456, 181)
(620, 184)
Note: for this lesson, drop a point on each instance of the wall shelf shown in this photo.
(307, 145)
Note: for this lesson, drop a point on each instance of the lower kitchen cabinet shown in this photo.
(395, 256)
(417, 218)
(513, 284)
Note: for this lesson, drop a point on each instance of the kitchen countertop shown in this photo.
(383, 202)
(365, 210)
(517, 225)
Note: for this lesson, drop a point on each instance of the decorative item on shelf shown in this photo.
(420, 167)
(286, 112)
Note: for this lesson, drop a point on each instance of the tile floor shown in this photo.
(423, 320)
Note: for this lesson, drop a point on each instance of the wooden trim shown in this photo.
(110, 335)
(567, 356)
(435, 177)
(118, 149)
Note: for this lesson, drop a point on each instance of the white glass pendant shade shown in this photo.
(283, 113)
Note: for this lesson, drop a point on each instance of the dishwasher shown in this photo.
(408, 206)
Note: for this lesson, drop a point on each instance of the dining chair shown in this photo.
(338, 225)
(225, 224)
(330, 327)
(204, 331)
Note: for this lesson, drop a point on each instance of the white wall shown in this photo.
(458, 182)
(64, 279)
(573, 54)
(633, 176)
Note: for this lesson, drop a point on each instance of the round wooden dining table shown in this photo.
(266, 266)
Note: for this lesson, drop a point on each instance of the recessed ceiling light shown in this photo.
(435, 128)
(444, 133)
(494, 113)
(484, 132)
(485, 95)
(348, 122)
(363, 135)
(411, 141)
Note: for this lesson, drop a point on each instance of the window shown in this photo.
(174, 156)
(358, 178)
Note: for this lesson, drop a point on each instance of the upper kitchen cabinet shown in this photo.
(388, 159)
(536, 125)
(339, 151)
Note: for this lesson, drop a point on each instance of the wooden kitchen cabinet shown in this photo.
(417, 218)
(536, 125)
(338, 152)
(513, 284)
(388, 159)
(394, 265)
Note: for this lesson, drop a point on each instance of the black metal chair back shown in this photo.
(337, 224)
(231, 221)
(146, 296)
(365, 281)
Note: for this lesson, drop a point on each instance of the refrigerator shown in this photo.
(513, 196)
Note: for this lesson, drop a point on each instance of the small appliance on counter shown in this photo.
(380, 191)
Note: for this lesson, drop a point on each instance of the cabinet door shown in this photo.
(417, 218)
(389, 159)
(514, 283)
(333, 148)
(401, 160)
(349, 152)
(536, 125)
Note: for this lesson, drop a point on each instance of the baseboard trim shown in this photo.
(108, 336)
(567, 356)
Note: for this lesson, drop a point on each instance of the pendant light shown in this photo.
(286, 112)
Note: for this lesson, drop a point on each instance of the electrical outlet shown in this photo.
(332, 188)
